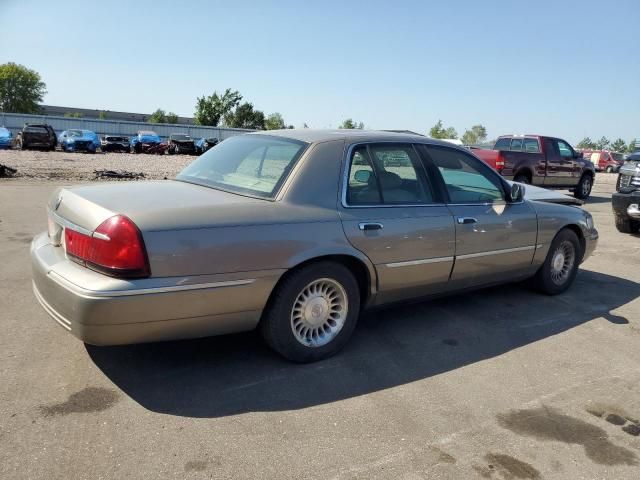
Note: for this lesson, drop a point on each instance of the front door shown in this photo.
(392, 213)
(495, 240)
(560, 163)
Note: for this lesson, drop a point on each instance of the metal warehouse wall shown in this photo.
(15, 121)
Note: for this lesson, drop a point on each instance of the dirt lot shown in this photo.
(63, 166)
(501, 384)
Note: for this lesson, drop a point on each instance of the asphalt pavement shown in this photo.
(502, 383)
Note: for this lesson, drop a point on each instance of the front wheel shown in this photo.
(583, 189)
(559, 269)
(522, 178)
(312, 313)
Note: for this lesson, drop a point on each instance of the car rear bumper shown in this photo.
(626, 204)
(116, 312)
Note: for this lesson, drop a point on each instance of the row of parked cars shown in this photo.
(43, 137)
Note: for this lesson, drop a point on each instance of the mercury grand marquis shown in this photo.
(295, 233)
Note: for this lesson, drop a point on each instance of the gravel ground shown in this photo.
(58, 166)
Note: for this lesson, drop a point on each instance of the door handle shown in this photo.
(467, 220)
(370, 226)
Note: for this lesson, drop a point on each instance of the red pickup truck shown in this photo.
(542, 161)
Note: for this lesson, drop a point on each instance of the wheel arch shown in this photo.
(524, 171)
(579, 233)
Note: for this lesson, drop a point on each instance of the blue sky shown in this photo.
(567, 68)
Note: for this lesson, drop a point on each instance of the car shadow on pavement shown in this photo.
(234, 374)
(595, 199)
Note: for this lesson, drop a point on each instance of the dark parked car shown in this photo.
(115, 143)
(204, 144)
(543, 161)
(36, 135)
(626, 199)
(180, 143)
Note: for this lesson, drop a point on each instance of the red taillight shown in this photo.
(499, 162)
(115, 248)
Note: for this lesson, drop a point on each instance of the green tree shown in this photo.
(469, 138)
(603, 143)
(586, 144)
(21, 89)
(349, 124)
(73, 115)
(619, 146)
(172, 117)
(632, 146)
(437, 131)
(159, 116)
(102, 115)
(450, 133)
(480, 132)
(245, 116)
(274, 121)
(210, 110)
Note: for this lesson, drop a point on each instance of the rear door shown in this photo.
(392, 213)
(495, 240)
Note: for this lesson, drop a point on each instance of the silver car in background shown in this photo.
(295, 232)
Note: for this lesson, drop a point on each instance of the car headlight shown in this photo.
(589, 221)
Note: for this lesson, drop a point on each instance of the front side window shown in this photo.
(565, 149)
(387, 174)
(247, 164)
(467, 179)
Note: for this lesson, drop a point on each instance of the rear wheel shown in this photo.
(583, 189)
(522, 178)
(312, 313)
(559, 269)
(609, 169)
(627, 225)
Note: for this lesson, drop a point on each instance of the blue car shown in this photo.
(145, 141)
(5, 138)
(79, 141)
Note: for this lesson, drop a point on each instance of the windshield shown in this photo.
(180, 137)
(4, 132)
(147, 133)
(75, 133)
(251, 164)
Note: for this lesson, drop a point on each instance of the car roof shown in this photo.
(309, 135)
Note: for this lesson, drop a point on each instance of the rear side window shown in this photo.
(531, 145)
(503, 144)
(387, 174)
(516, 145)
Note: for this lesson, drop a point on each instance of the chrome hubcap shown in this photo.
(562, 262)
(319, 312)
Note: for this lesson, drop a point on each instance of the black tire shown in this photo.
(627, 225)
(277, 323)
(583, 189)
(543, 280)
(522, 178)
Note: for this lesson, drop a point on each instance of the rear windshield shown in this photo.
(4, 132)
(147, 132)
(75, 133)
(256, 165)
(35, 129)
(180, 137)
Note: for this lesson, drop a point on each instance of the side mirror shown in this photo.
(362, 176)
(516, 193)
